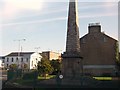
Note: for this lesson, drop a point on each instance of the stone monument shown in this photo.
(71, 63)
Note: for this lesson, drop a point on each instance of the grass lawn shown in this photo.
(48, 77)
(103, 78)
(102, 81)
(22, 82)
(31, 81)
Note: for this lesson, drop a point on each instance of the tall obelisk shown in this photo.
(72, 44)
(71, 68)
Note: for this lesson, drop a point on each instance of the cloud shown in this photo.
(13, 7)
(60, 18)
(82, 6)
(26, 4)
(111, 0)
(39, 13)
(97, 15)
(9, 10)
(36, 21)
(81, 0)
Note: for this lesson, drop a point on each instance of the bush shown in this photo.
(106, 74)
(13, 67)
(44, 67)
(30, 75)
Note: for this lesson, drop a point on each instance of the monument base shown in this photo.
(71, 66)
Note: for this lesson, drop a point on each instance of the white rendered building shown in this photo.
(21, 59)
(1, 62)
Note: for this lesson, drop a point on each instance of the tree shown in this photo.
(117, 56)
(44, 67)
(56, 64)
(24, 66)
(13, 66)
(117, 53)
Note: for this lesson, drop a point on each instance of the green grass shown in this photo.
(103, 78)
(48, 77)
(23, 82)
(30, 81)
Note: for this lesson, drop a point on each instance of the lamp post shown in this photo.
(19, 49)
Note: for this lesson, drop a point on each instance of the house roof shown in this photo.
(2, 57)
(20, 53)
(101, 34)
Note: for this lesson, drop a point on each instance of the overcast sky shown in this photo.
(44, 24)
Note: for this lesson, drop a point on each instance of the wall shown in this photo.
(0, 63)
(54, 55)
(51, 55)
(98, 48)
(34, 59)
(15, 61)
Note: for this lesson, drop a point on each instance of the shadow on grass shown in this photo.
(22, 81)
(87, 82)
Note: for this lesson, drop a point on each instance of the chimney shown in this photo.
(94, 28)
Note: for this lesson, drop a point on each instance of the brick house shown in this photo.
(98, 51)
(51, 55)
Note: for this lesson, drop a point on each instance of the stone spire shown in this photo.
(72, 43)
(71, 68)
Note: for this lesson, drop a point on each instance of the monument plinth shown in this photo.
(71, 63)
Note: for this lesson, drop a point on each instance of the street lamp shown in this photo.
(19, 48)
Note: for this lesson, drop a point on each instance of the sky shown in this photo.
(43, 23)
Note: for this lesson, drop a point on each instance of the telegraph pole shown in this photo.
(37, 49)
(19, 49)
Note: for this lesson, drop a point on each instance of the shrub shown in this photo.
(30, 75)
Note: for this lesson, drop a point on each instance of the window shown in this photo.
(12, 60)
(7, 65)
(26, 59)
(7, 59)
(3, 61)
(32, 63)
(16, 59)
(21, 59)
